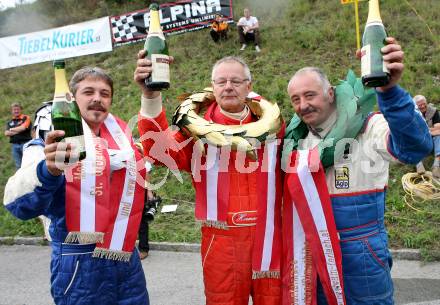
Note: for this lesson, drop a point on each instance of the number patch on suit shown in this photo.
(342, 178)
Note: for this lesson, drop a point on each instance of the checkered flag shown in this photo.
(128, 27)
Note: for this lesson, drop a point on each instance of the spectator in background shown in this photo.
(18, 129)
(248, 30)
(432, 118)
(219, 29)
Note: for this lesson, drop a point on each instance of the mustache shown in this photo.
(97, 106)
(307, 111)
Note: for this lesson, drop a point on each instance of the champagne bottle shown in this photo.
(157, 51)
(374, 71)
(65, 112)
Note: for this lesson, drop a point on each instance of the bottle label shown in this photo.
(63, 97)
(161, 68)
(78, 142)
(156, 34)
(372, 57)
(366, 60)
(384, 67)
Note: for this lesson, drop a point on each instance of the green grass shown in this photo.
(181, 225)
(294, 34)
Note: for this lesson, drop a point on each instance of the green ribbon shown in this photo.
(354, 103)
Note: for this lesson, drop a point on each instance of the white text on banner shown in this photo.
(69, 41)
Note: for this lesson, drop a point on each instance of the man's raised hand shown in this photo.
(58, 153)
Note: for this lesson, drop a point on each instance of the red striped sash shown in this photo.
(311, 243)
(212, 200)
(114, 209)
(87, 204)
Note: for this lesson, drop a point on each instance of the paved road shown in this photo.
(174, 278)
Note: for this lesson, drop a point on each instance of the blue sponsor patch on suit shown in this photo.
(342, 177)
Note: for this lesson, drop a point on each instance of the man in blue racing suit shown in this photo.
(40, 187)
(357, 179)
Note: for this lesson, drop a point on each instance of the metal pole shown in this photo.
(358, 36)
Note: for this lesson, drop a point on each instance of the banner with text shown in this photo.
(175, 18)
(69, 41)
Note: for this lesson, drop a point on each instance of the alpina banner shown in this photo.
(69, 41)
(175, 18)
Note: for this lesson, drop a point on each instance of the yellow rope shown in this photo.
(420, 188)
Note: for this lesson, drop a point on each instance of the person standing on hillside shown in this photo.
(334, 200)
(94, 205)
(18, 129)
(248, 30)
(237, 199)
(432, 118)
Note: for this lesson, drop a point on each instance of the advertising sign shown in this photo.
(69, 41)
(175, 18)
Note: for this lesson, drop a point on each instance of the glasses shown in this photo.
(236, 82)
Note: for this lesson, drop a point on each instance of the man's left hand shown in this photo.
(393, 58)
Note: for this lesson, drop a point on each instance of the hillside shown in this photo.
(295, 33)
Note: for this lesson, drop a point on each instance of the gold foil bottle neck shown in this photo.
(373, 12)
(154, 22)
(61, 86)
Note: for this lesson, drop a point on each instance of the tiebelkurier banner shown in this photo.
(175, 18)
(64, 42)
(100, 35)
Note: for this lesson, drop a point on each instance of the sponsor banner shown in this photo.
(69, 41)
(175, 18)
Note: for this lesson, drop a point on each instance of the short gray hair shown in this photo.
(325, 83)
(92, 72)
(16, 105)
(419, 98)
(236, 59)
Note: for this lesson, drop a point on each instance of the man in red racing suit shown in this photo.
(240, 252)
